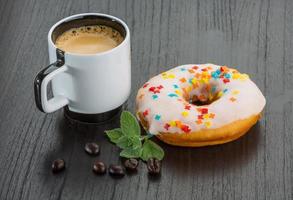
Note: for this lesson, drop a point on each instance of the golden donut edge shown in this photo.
(206, 137)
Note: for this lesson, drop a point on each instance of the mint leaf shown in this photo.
(129, 124)
(124, 142)
(151, 150)
(136, 142)
(131, 153)
(114, 134)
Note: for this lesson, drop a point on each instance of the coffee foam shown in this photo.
(89, 39)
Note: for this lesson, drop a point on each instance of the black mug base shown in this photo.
(94, 119)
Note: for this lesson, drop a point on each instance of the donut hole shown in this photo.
(204, 95)
(202, 100)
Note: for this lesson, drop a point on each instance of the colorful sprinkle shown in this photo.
(171, 76)
(233, 99)
(215, 75)
(235, 92)
(194, 81)
(218, 71)
(208, 124)
(172, 123)
(156, 89)
(182, 80)
(160, 87)
(227, 75)
(152, 89)
(166, 75)
(206, 116)
(175, 86)
(188, 89)
(204, 80)
(172, 95)
(157, 117)
(220, 94)
(212, 115)
(225, 80)
(178, 92)
(178, 123)
(198, 121)
(155, 96)
(191, 71)
(224, 68)
(145, 113)
(195, 67)
(204, 110)
(185, 128)
(184, 113)
(236, 76)
(167, 126)
(187, 107)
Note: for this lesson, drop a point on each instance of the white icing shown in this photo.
(249, 100)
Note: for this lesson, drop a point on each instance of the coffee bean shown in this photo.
(92, 148)
(131, 164)
(99, 167)
(58, 165)
(116, 170)
(154, 166)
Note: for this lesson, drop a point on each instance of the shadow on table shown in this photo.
(206, 160)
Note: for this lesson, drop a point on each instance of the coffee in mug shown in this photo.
(89, 39)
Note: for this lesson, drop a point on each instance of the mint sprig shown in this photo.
(130, 140)
(151, 150)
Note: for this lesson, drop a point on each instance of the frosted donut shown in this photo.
(199, 105)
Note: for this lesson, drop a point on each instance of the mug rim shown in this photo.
(76, 16)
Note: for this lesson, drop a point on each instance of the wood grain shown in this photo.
(254, 36)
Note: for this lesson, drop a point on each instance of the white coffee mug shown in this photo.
(85, 83)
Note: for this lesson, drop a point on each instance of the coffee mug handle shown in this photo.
(40, 88)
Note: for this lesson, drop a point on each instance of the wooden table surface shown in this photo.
(254, 35)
